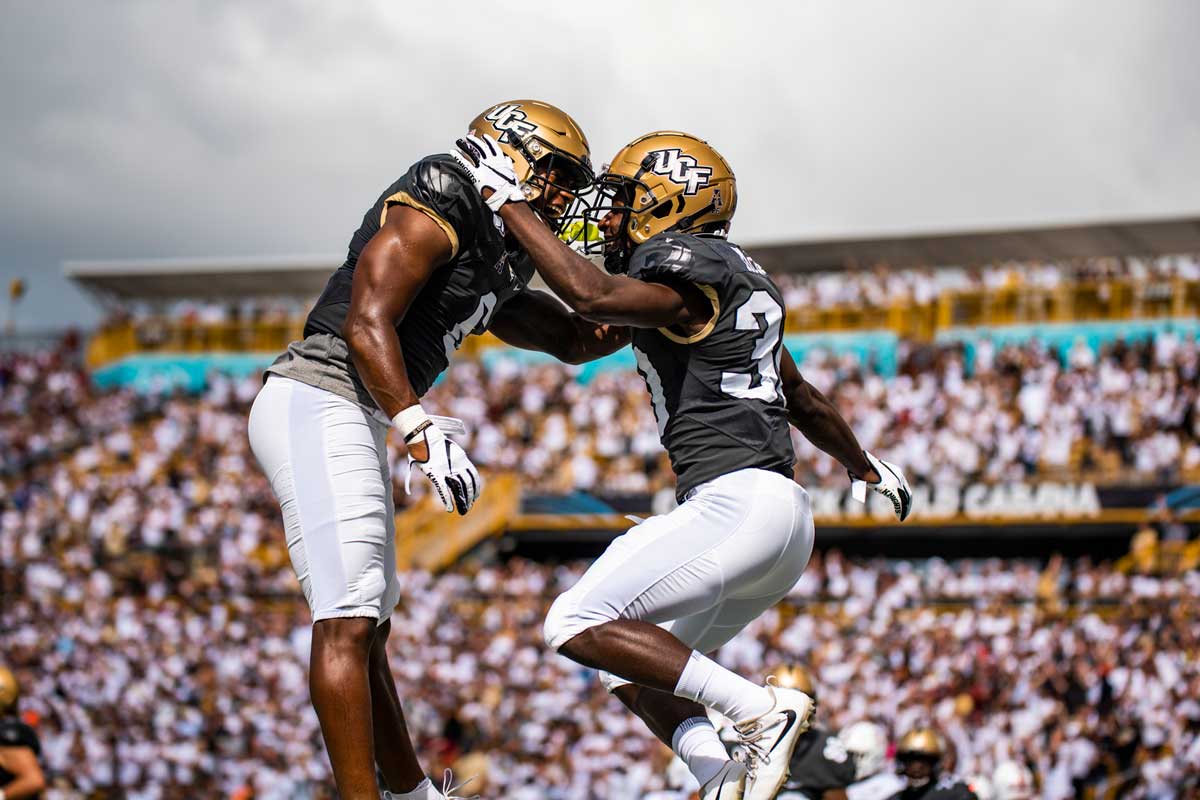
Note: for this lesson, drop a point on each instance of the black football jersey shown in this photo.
(947, 787)
(716, 394)
(820, 762)
(14, 733)
(459, 298)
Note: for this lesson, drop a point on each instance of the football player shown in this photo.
(919, 759)
(429, 266)
(708, 337)
(21, 776)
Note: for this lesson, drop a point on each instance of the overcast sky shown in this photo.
(212, 128)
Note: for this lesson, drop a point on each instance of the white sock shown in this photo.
(697, 743)
(713, 686)
(422, 791)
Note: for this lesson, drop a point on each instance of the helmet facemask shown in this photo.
(641, 218)
(557, 173)
(611, 194)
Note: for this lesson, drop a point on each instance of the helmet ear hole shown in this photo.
(662, 210)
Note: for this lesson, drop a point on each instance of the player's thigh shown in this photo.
(774, 543)
(762, 564)
(658, 570)
(271, 436)
(321, 453)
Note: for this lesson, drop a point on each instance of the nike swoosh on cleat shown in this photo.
(791, 718)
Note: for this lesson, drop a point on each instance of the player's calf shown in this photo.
(341, 694)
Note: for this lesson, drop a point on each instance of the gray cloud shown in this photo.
(146, 129)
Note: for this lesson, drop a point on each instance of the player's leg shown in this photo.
(394, 751)
(320, 453)
(341, 694)
(684, 726)
(732, 532)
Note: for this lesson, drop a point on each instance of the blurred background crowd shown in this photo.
(151, 614)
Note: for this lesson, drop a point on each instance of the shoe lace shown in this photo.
(448, 787)
(750, 734)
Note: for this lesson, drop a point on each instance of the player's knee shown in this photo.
(343, 635)
(567, 619)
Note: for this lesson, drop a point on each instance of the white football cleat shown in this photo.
(771, 739)
(728, 784)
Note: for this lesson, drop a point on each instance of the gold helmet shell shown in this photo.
(677, 181)
(529, 131)
(9, 691)
(797, 677)
(921, 742)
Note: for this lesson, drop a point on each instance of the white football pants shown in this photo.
(734, 548)
(326, 459)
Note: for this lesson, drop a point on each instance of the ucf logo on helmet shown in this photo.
(511, 121)
(679, 168)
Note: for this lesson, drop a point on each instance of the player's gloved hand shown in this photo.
(892, 484)
(489, 168)
(454, 478)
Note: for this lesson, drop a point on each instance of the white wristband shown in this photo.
(409, 420)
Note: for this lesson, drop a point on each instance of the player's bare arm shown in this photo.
(393, 267)
(822, 424)
(534, 320)
(598, 296)
(29, 780)
(813, 415)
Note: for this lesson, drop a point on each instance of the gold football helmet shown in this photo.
(665, 181)
(795, 677)
(921, 742)
(533, 134)
(9, 691)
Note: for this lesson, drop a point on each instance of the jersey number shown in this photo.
(763, 314)
(480, 316)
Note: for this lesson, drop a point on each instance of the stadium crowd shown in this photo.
(876, 286)
(170, 686)
(150, 612)
(881, 286)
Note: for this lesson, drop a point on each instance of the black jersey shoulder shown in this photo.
(699, 259)
(437, 186)
(14, 733)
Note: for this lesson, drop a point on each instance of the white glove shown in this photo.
(892, 485)
(454, 478)
(489, 168)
